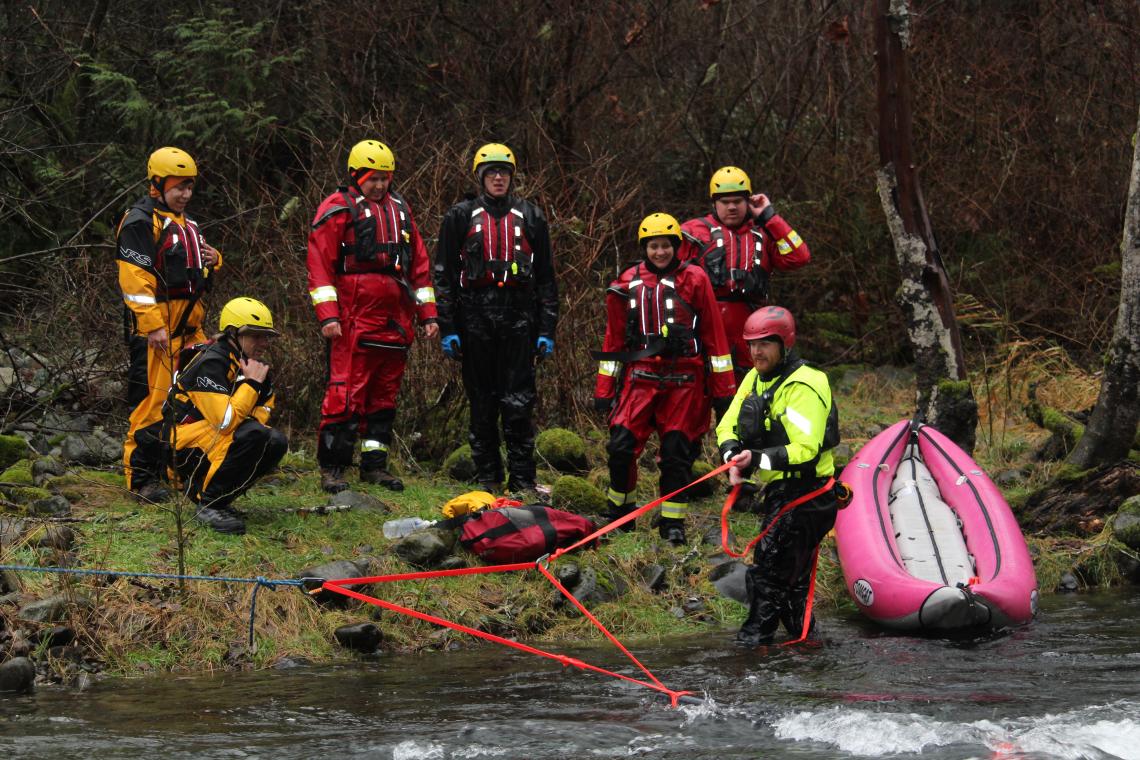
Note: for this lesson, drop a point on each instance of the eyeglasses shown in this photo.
(497, 171)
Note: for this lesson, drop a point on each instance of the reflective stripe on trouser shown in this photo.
(377, 435)
(676, 510)
(217, 468)
(619, 498)
(148, 383)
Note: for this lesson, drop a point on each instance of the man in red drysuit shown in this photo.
(738, 245)
(369, 279)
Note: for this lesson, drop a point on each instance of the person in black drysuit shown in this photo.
(498, 309)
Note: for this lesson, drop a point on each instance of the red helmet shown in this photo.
(769, 321)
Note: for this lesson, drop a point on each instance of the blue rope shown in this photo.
(258, 582)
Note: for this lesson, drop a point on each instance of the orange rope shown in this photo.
(731, 499)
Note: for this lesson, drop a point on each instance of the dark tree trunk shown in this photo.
(1112, 428)
(945, 399)
(1082, 505)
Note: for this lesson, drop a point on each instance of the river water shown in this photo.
(1068, 686)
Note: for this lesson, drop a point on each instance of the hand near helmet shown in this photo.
(210, 255)
(757, 203)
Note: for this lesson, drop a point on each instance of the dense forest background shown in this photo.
(1024, 111)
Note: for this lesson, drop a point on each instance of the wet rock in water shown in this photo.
(361, 637)
(52, 506)
(59, 636)
(1068, 584)
(425, 548)
(654, 577)
(288, 663)
(53, 609)
(728, 578)
(17, 675)
(65, 654)
(360, 501)
(312, 577)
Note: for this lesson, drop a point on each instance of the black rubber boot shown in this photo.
(221, 519)
(381, 477)
(759, 628)
(672, 530)
(618, 511)
(332, 480)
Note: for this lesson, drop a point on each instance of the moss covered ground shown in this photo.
(136, 625)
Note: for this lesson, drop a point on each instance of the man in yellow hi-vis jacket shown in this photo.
(220, 406)
(164, 266)
(782, 423)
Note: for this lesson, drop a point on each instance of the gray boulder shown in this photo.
(1126, 523)
(52, 506)
(728, 578)
(426, 548)
(360, 637)
(333, 571)
(53, 609)
(360, 501)
(17, 675)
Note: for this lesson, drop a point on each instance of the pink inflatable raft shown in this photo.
(928, 542)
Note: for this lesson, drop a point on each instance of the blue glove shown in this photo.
(450, 344)
(544, 346)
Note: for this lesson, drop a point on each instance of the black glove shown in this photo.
(603, 405)
(720, 406)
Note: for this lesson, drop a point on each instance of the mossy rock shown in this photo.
(26, 494)
(599, 478)
(575, 494)
(19, 473)
(13, 448)
(1126, 523)
(704, 489)
(459, 464)
(564, 450)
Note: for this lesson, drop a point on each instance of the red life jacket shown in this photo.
(178, 266)
(382, 234)
(496, 251)
(658, 315)
(521, 534)
(733, 261)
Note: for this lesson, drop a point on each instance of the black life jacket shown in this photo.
(759, 430)
(734, 261)
(497, 251)
(658, 316)
(178, 266)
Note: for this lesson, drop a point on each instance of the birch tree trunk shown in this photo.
(944, 396)
(1112, 427)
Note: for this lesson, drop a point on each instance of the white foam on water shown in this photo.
(413, 750)
(1099, 731)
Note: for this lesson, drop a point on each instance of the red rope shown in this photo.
(637, 513)
(731, 499)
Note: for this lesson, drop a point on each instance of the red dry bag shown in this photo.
(520, 534)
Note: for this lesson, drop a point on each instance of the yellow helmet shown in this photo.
(170, 162)
(729, 179)
(493, 153)
(659, 225)
(371, 154)
(247, 315)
